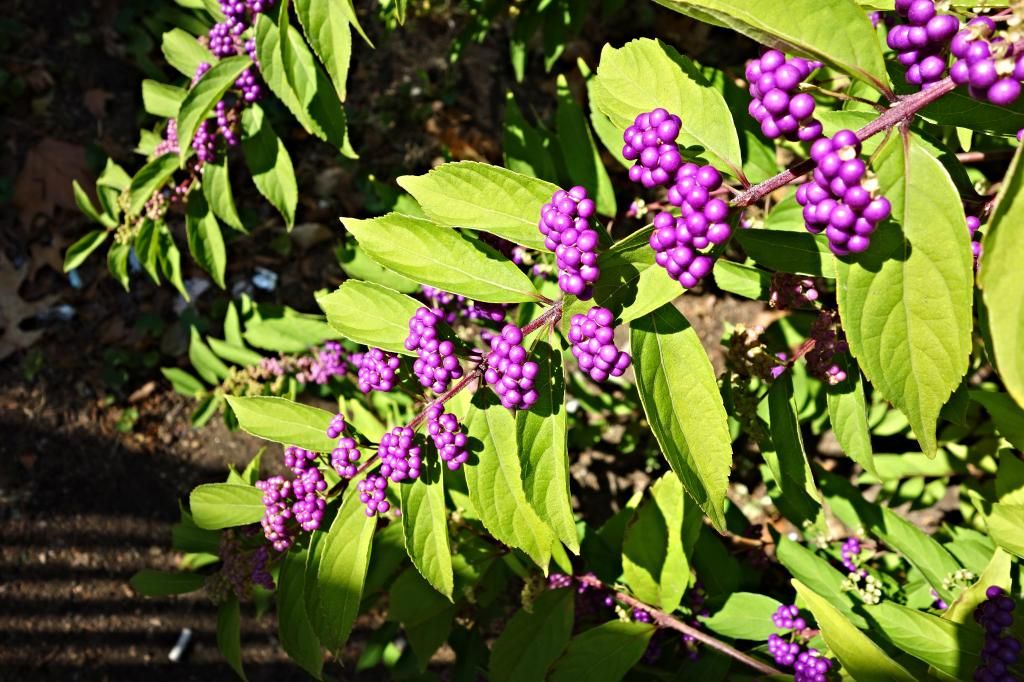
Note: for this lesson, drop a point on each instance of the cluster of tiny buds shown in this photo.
(436, 364)
(651, 143)
(592, 336)
(321, 365)
(508, 371)
(449, 439)
(870, 592)
(777, 104)
(376, 370)
(1001, 649)
(921, 43)
(565, 224)
(788, 291)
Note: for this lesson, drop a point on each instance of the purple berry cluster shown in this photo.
(989, 68)
(849, 551)
(787, 617)
(451, 307)
(436, 364)
(376, 370)
(811, 666)
(373, 493)
(559, 581)
(242, 568)
(973, 225)
(827, 342)
(651, 143)
(322, 364)
(448, 437)
(641, 616)
(565, 224)
(399, 455)
(921, 43)
(295, 500)
(345, 456)
(593, 344)
(792, 291)
(1001, 649)
(785, 653)
(508, 372)
(777, 104)
(840, 199)
(169, 145)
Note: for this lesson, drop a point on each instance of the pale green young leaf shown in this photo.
(947, 646)
(745, 615)
(654, 562)
(495, 481)
(184, 52)
(162, 99)
(329, 34)
(183, 382)
(225, 505)
(861, 658)
(604, 653)
(478, 196)
(425, 526)
(1002, 279)
(239, 355)
(1004, 524)
(269, 163)
(283, 421)
(679, 393)
(742, 280)
(645, 74)
(533, 640)
(205, 362)
(541, 434)
(432, 254)
(370, 314)
(292, 334)
(906, 302)
(809, 28)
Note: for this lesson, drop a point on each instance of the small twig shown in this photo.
(667, 621)
(842, 96)
(981, 157)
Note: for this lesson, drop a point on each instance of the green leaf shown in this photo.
(1007, 415)
(742, 280)
(229, 634)
(526, 149)
(233, 326)
(794, 27)
(297, 636)
(425, 527)
(581, 156)
(327, 29)
(1001, 280)
(848, 415)
(117, 263)
(332, 600)
(151, 583)
(239, 355)
(996, 573)
(269, 163)
(147, 248)
(441, 257)
(680, 397)
(631, 283)
(495, 481)
(1004, 524)
(282, 421)
(200, 99)
(906, 302)
(533, 640)
(161, 99)
(541, 433)
(644, 74)
(205, 361)
(817, 573)
(150, 178)
(745, 615)
(224, 505)
(205, 241)
(183, 382)
(1010, 479)
(169, 258)
(425, 615)
(604, 653)
(951, 648)
(800, 253)
(80, 250)
(290, 334)
(217, 190)
(478, 196)
(184, 53)
(357, 265)
(861, 658)
(370, 314)
(84, 204)
(654, 562)
(788, 461)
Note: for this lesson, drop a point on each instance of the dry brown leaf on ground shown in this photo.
(14, 310)
(44, 183)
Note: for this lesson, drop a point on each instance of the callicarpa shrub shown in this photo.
(779, 294)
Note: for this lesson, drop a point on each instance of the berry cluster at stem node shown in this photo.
(1001, 649)
(565, 224)
(849, 552)
(921, 43)
(992, 68)
(400, 455)
(448, 437)
(345, 456)
(373, 493)
(436, 364)
(377, 370)
(810, 666)
(508, 372)
(592, 336)
(651, 143)
(828, 341)
(788, 291)
(296, 504)
(787, 617)
(841, 198)
(778, 105)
